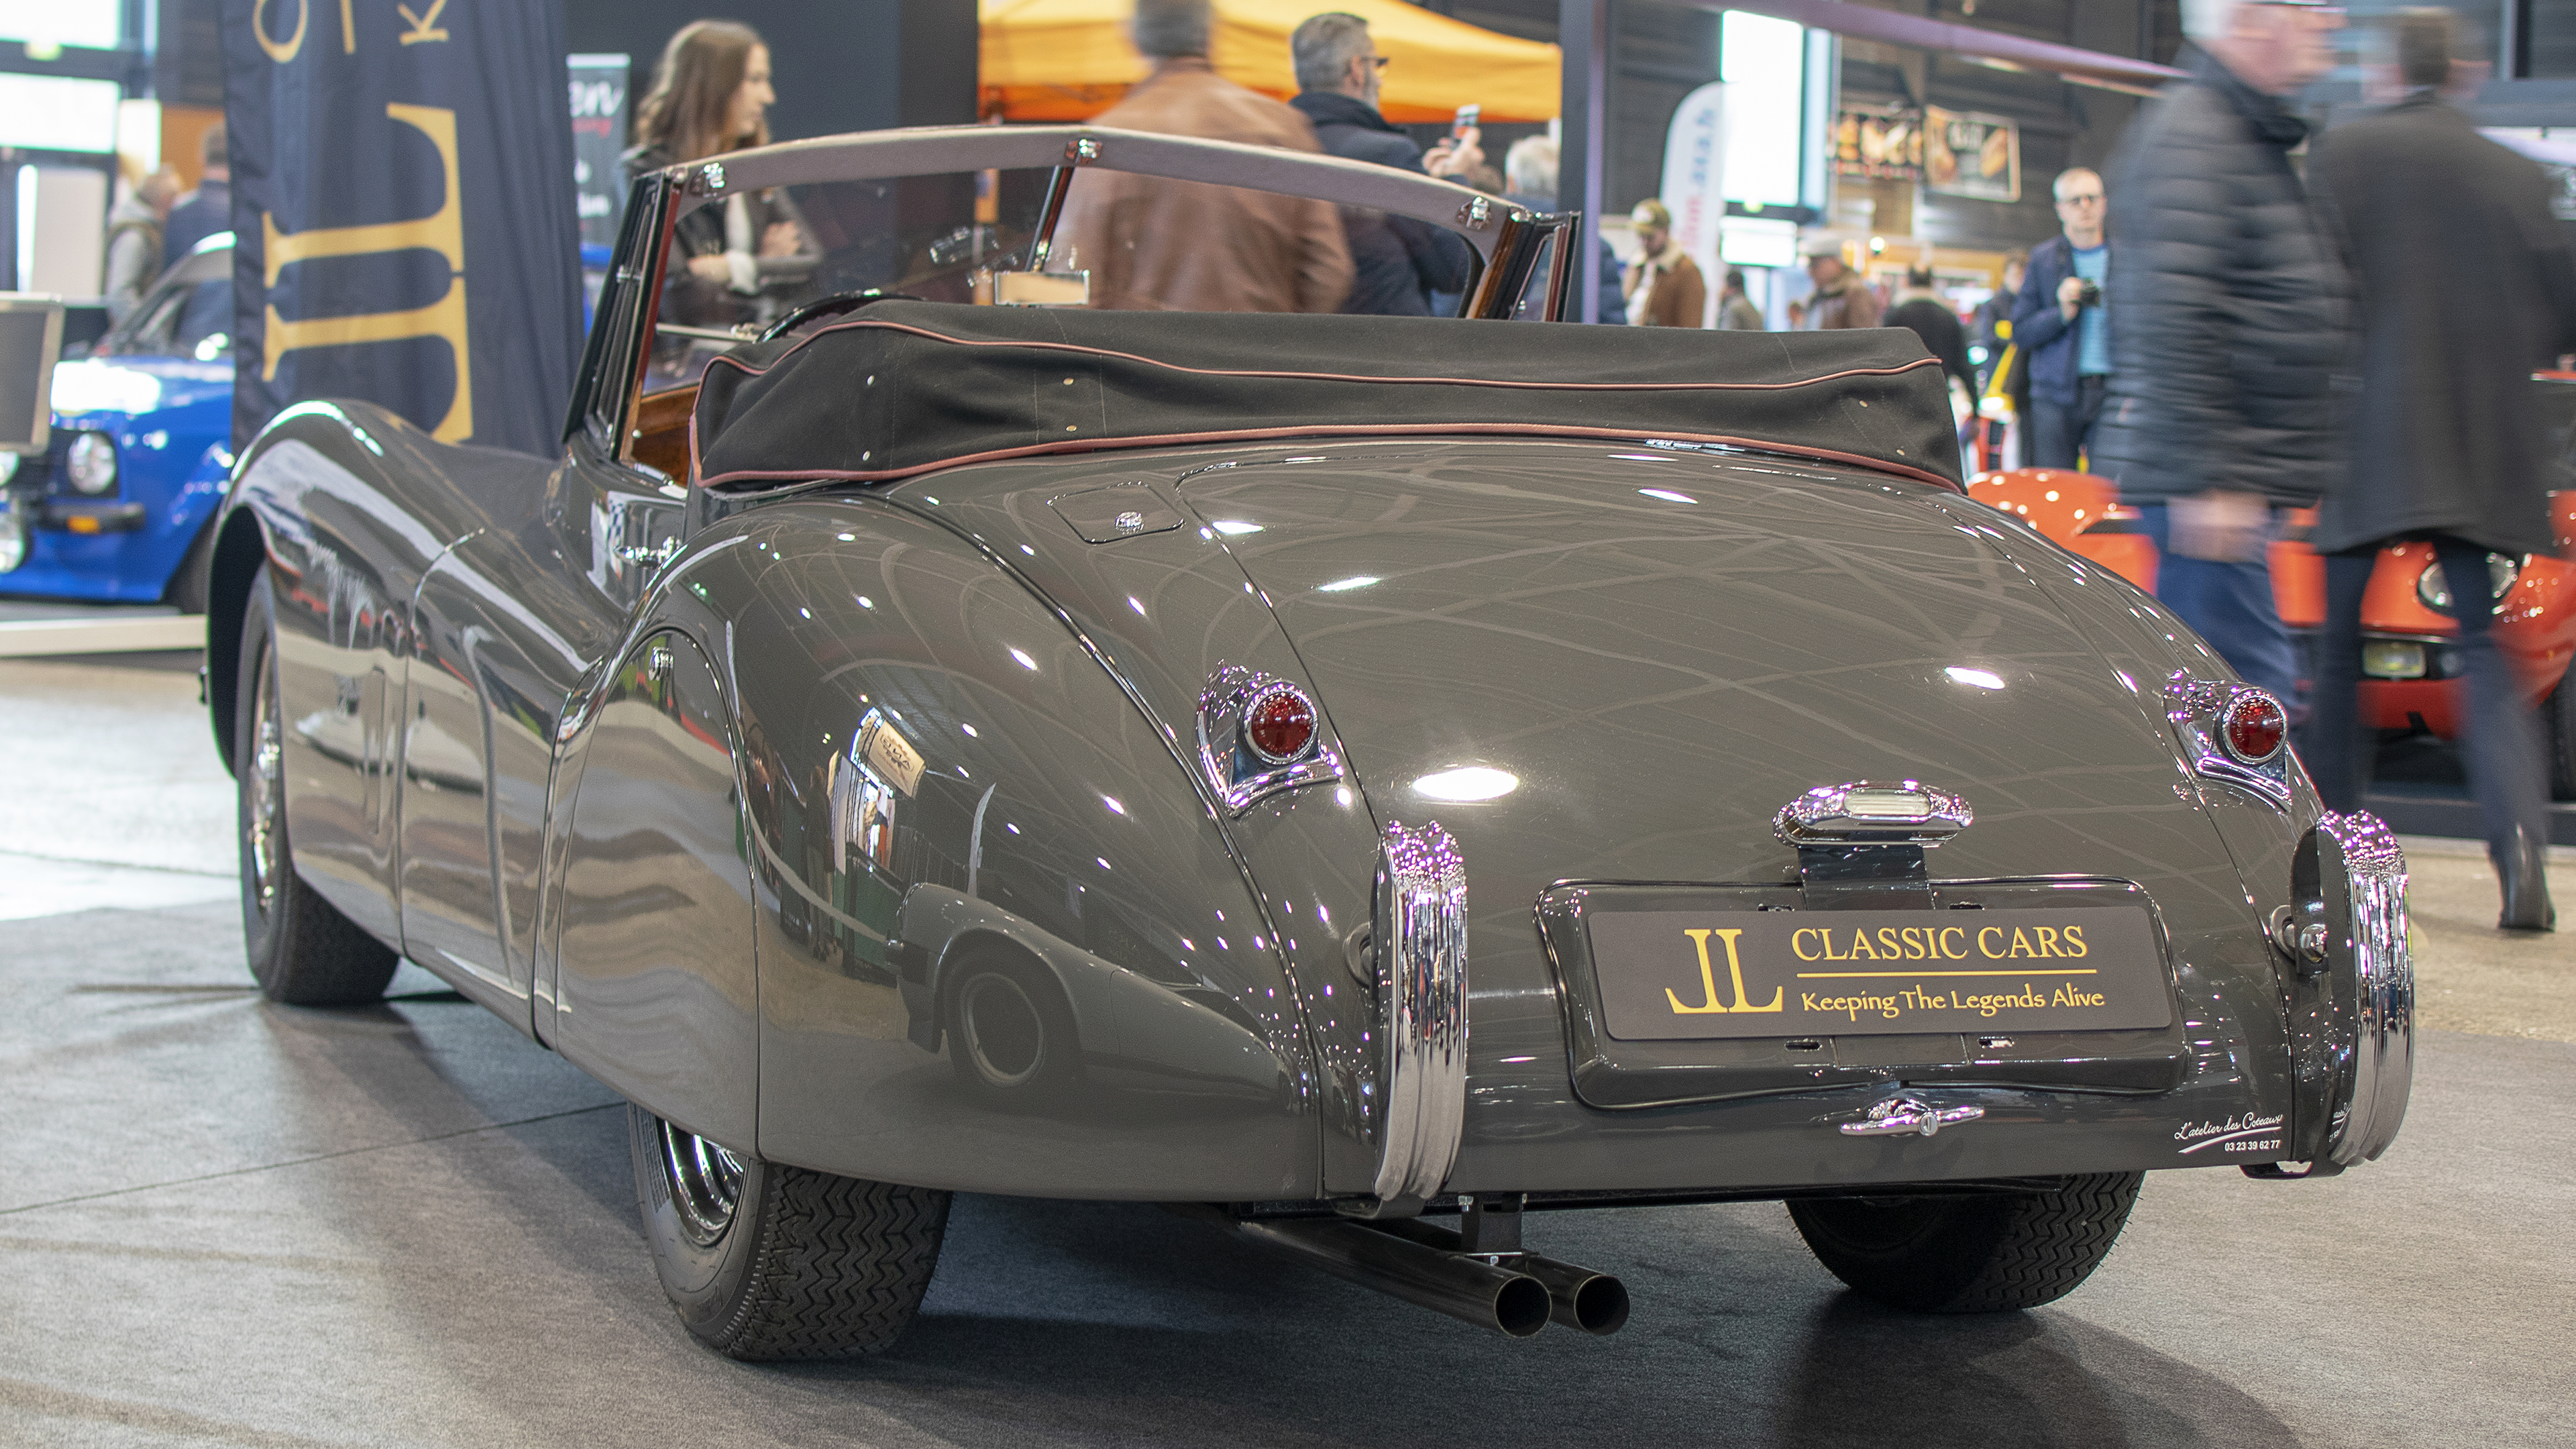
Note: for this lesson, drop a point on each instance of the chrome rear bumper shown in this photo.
(2353, 1020)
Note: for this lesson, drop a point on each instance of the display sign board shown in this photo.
(600, 84)
(1879, 144)
(1965, 154)
(403, 232)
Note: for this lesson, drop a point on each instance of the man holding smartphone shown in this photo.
(1399, 261)
(2060, 325)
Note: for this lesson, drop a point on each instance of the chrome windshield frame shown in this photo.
(941, 150)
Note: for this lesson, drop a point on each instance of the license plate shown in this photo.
(1684, 974)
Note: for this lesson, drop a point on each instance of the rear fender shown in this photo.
(927, 746)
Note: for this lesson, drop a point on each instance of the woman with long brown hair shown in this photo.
(751, 258)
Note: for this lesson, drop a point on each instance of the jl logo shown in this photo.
(442, 231)
(1708, 979)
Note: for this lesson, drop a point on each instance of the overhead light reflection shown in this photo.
(1981, 678)
(1022, 655)
(1475, 782)
(1668, 495)
(1233, 526)
(1356, 581)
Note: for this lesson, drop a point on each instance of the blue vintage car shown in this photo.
(117, 509)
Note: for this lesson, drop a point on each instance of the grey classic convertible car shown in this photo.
(1359, 781)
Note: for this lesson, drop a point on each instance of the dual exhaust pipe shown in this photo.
(1472, 1273)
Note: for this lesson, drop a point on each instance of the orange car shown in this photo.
(2410, 667)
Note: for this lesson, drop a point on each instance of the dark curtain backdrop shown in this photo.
(837, 65)
(404, 214)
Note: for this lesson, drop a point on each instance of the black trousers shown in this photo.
(2502, 739)
(2060, 435)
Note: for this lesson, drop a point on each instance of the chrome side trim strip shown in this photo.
(1421, 929)
(2372, 978)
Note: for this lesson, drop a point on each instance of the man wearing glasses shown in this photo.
(1400, 261)
(2227, 309)
(2060, 325)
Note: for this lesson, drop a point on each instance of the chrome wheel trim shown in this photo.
(1008, 994)
(264, 832)
(705, 1182)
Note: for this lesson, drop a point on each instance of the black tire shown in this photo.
(191, 585)
(2559, 713)
(302, 951)
(764, 1261)
(1011, 1034)
(1990, 1253)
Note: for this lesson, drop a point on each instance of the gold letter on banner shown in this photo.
(421, 24)
(279, 51)
(442, 231)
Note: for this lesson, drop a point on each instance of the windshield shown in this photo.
(736, 266)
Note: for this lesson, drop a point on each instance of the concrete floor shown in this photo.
(223, 1222)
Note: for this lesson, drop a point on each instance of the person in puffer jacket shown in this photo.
(2228, 323)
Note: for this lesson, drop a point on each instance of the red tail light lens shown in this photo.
(1280, 726)
(2254, 727)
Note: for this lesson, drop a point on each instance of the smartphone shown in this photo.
(1466, 120)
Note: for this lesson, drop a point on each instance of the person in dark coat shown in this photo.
(2065, 337)
(2466, 284)
(1944, 336)
(2227, 325)
(2001, 370)
(208, 209)
(1399, 261)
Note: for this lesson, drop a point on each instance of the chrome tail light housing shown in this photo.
(1260, 735)
(2232, 733)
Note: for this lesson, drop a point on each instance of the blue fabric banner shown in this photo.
(403, 213)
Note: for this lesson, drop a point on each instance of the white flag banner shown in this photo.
(1695, 183)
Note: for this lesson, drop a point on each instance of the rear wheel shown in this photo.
(2560, 712)
(766, 1261)
(1991, 1253)
(302, 951)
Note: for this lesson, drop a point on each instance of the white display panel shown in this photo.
(90, 23)
(1750, 242)
(58, 113)
(62, 230)
(1763, 63)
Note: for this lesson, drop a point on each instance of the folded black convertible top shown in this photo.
(902, 387)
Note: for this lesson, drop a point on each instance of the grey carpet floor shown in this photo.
(223, 1222)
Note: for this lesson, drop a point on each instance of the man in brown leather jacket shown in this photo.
(1156, 245)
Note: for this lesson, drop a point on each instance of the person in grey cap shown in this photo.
(1843, 297)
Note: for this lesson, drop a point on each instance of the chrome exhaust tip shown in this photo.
(1578, 1297)
(1498, 1297)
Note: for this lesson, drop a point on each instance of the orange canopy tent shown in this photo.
(1069, 60)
